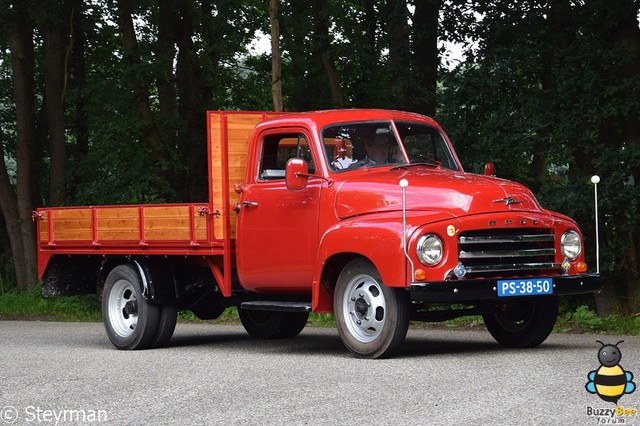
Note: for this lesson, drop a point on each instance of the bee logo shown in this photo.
(610, 381)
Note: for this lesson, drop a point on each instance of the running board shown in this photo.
(278, 306)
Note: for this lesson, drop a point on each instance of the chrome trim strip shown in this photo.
(513, 267)
(506, 253)
(465, 239)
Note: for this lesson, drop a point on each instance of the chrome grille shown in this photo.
(507, 252)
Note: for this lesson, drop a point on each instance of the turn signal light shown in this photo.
(581, 267)
(420, 275)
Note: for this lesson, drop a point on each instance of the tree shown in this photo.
(426, 58)
(548, 94)
(20, 36)
(141, 92)
(56, 17)
(276, 60)
(322, 50)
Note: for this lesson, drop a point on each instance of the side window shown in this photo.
(278, 149)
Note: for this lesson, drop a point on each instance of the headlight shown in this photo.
(571, 245)
(429, 250)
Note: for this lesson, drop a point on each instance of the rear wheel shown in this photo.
(372, 319)
(272, 324)
(523, 323)
(166, 326)
(129, 320)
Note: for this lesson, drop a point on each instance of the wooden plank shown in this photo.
(117, 223)
(69, 224)
(238, 131)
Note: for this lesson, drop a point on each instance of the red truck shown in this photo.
(364, 213)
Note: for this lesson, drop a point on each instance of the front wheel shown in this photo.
(129, 320)
(523, 323)
(372, 319)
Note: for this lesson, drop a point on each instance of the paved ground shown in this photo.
(59, 373)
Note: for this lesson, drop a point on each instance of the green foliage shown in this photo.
(548, 91)
(586, 320)
(550, 94)
(30, 305)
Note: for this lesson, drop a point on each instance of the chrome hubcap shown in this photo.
(364, 308)
(123, 308)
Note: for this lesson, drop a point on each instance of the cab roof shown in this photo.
(320, 119)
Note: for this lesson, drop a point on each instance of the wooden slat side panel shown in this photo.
(68, 225)
(239, 128)
(173, 223)
(117, 223)
(178, 223)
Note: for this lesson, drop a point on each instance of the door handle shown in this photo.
(250, 204)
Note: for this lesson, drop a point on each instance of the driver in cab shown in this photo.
(380, 150)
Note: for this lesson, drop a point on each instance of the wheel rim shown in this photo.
(123, 311)
(364, 308)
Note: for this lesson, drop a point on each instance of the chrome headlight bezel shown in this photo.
(571, 245)
(430, 250)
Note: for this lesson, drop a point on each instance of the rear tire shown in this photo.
(129, 320)
(166, 326)
(272, 324)
(372, 319)
(524, 323)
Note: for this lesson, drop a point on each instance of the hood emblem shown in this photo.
(508, 201)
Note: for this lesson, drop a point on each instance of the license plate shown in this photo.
(525, 287)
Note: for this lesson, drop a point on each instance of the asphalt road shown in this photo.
(61, 373)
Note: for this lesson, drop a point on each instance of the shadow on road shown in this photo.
(326, 342)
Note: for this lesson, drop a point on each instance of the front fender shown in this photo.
(377, 238)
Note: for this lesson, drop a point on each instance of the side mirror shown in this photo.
(489, 169)
(296, 174)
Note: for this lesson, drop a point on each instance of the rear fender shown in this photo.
(156, 277)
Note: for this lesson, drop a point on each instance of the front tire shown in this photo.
(129, 320)
(372, 319)
(523, 323)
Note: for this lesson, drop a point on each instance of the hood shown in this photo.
(457, 193)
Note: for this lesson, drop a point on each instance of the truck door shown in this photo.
(277, 229)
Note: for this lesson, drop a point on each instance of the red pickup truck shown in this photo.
(364, 213)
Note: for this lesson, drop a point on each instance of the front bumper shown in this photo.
(486, 289)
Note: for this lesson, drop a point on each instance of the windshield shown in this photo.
(426, 144)
(374, 144)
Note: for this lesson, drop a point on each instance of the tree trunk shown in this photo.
(399, 53)
(132, 57)
(78, 70)
(55, 51)
(426, 58)
(9, 209)
(192, 89)
(322, 48)
(22, 66)
(276, 58)
(168, 21)
(367, 93)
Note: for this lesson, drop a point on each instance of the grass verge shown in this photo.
(30, 305)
